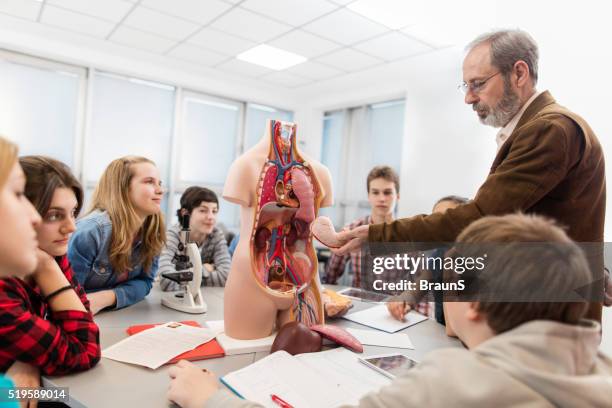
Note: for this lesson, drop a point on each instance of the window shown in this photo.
(39, 106)
(371, 135)
(129, 117)
(207, 147)
(332, 157)
(256, 119)
(87, 118)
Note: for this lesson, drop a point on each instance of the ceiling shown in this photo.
(210, 33)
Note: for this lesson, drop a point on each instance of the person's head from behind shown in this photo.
(448, 202)
(383, 190)
(58, 198)
(202, 206)
(130, 191)
(500, 72)
(18, 243)
(531, 254)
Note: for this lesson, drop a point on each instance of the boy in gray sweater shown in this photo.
(519, 354)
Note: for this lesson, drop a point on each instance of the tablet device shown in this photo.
(364, 295)
(390, 365)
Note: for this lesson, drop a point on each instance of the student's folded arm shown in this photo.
(537, 161)
(222, 262)
(165, 261)
(67, 342)
(78, 288)
(134, 290)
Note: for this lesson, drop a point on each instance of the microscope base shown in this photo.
(186, 303)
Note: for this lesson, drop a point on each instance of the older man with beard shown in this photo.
(548, 162)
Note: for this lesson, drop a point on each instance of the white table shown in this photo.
(115, 384)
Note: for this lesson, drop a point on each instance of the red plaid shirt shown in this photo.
(337, 264)
(56, 342)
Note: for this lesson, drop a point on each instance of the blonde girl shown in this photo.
(114, 251)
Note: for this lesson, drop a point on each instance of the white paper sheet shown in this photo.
(217, 326)
(378, 317)
(378, 338)
(156, 346)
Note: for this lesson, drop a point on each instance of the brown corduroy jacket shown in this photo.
(551, 165)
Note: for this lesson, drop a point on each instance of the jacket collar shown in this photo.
(542, 101)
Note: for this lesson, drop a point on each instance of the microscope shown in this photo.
(188, 275)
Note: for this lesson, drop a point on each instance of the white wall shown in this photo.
(446, 151)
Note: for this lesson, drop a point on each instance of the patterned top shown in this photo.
(56, 342)
(213, 251)
(337, 264)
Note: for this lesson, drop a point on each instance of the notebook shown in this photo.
(212, 349)
(378, 317)
(323, 380)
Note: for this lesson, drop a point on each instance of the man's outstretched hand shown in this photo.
(352, 240)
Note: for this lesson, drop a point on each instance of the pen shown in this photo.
(280, 402)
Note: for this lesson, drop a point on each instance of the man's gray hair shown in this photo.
(508, 47)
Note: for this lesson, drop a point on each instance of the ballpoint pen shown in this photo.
(280, 402)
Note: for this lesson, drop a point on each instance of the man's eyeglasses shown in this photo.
(475, 86)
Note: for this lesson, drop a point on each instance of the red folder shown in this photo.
(212, 349)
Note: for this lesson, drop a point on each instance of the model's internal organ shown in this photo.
(284, 258)
(323, 230)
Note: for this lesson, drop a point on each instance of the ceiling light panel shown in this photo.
(271, 57)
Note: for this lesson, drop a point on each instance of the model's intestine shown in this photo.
(288, 195)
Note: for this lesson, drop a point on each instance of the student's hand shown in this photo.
(25, 375)
(190, 386)
(354, 239)
(101, 300)
(48, 275)
(398, 310)
(209, 267)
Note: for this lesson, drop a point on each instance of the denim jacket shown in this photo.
(88, 252)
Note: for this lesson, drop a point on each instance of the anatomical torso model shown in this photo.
(273, 277)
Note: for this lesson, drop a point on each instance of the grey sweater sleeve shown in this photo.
(165, 259)
(221, 260)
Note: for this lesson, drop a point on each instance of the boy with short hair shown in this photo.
(527, 354)
(383, 192)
